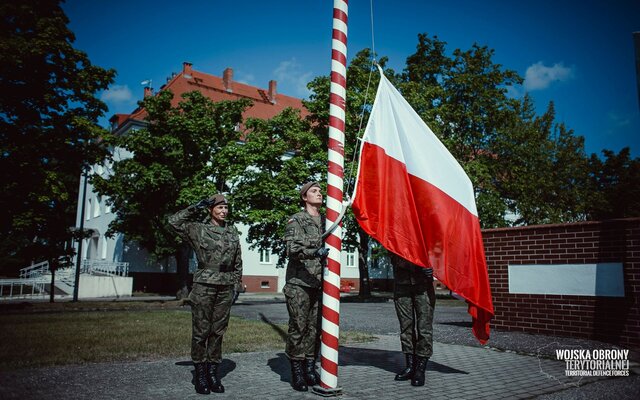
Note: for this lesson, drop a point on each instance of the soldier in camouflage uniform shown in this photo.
(217, 248)
(415, 299)
(303, 290)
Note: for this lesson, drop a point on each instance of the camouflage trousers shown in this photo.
(210, 309)
(414, 307)
(303, 304)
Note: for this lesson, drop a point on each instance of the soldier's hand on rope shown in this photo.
(322, 252)
(428, 272)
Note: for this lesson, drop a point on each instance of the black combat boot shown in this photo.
(418, 375)
(310, 375)
(407, 373)
(297, 376)
(201, 384)
(215, 385)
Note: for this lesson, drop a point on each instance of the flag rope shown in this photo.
(364, 105)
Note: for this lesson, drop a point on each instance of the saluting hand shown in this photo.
(204, 203)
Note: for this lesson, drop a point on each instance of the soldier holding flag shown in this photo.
(414, 298)
(303, 290)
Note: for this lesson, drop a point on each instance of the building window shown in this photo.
(351, 260)
(85, 248)
(96, 207)
(103, 252)
(88, 211)
(92, 251)
(264, 285)
(265, 257)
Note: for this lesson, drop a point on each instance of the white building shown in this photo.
(260, 272)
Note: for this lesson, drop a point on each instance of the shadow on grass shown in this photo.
(274, 326)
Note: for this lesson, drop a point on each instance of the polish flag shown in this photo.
(414, 198)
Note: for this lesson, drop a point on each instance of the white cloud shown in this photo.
(539, 76)
(246, 78)
(117, 95)
(619, 120)
(289, 75)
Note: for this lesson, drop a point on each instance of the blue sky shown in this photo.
(580, 55)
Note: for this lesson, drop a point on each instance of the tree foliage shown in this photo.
(463, 98)
(278, 156)
(540, 168)
(527, 168)
(362, 81)
(614, 185)
(183, 155)
(361, 90)
(48, 129)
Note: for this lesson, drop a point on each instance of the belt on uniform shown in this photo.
(220, 268)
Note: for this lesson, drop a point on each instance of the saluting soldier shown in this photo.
(217, 248)
(303, 288)
(414, 298)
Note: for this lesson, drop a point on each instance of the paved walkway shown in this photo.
(366, 372)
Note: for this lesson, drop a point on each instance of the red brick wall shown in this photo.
(610, 319)
(254, 283)
(352, 283)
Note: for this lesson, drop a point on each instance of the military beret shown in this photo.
(306, 187)
(217, 199)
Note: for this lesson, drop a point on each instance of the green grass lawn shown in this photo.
(37, 339)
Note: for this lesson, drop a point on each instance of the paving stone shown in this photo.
(366, 371)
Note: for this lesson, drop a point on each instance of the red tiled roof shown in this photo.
(213, 87)
(118, 119)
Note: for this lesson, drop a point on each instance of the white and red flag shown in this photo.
(414, 198)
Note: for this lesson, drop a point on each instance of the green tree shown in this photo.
(48, 130)
(277, 157)
(526, 168)
(614, 185)
(463, 98)
(185, 153)
(540, 168)
(362, 81)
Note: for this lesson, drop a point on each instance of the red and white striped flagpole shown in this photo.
(331, 284)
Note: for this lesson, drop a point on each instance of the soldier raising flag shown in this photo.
(303, 289)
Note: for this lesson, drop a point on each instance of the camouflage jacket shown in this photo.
(217, 248)
(303, 236)
(407, 273)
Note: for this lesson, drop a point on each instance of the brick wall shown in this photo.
(350, 285)
(610, 319)
(260, 284)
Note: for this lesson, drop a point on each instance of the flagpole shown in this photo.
(331, 280)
